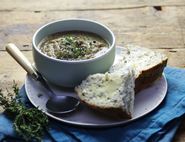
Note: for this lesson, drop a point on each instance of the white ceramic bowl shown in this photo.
(70, 73)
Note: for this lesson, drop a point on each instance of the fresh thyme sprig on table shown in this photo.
(29, 123)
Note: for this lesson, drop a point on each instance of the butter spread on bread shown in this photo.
(112, 93)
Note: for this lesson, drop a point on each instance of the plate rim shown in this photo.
(92, 125)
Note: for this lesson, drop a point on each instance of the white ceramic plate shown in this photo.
(145, 101)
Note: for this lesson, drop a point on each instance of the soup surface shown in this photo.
(73, 45)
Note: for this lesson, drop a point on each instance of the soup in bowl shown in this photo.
(66, 51)
(73, 45)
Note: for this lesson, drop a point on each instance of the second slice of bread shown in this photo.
(148, 65)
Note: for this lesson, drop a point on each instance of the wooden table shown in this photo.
(156, 24)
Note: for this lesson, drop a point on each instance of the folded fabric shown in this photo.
(158, 126)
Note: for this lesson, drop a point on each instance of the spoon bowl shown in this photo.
(62, 104)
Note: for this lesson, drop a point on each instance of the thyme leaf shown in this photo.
(29, 123)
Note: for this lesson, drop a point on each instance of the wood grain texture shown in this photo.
(63, 5)
(10, 70)
(157, 24)
(144, 27)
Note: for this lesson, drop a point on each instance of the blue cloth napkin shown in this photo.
(158, 126)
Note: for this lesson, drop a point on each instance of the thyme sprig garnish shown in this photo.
(29, 123)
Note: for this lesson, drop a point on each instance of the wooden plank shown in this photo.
(10, 70)
(58, 5)
(181, 20)
(144, 27)
(175, 57)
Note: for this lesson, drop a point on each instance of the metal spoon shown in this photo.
(56, 103)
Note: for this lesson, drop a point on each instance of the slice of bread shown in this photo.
(111, 93)
(148, 65)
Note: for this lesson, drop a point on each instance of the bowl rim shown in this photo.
(74, 61)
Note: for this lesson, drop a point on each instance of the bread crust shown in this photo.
(147, 77)
(115, 113)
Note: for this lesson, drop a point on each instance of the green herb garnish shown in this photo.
(73, 45)
(29, 123)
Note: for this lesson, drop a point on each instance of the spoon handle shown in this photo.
(14, 51)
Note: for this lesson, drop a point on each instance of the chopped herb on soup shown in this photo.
(74, 45)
